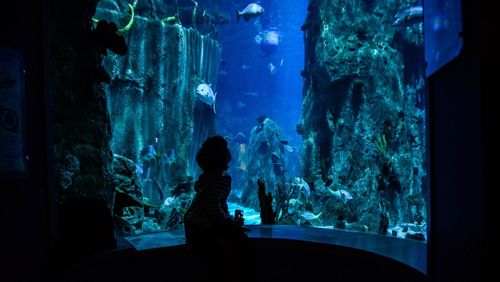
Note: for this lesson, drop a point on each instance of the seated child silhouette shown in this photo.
(211, 233)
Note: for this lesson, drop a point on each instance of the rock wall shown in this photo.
(82, 129)
(152, 99)
(363, 118)
(264, 159)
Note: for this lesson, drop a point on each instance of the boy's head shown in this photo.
(214, 155)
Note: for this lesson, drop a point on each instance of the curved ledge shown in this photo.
(284, 253)
(408, 252)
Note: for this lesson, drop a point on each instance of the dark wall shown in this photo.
(457, 172)
(24, 213)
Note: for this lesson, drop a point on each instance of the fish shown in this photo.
(169, 200)
(341, 194)
(148, 153)
(272, 68)
(281, 62)
(206, 94)
(222, 72)
(303, 186)
(268, 40)
(251, 11)
(245, 67)
(249, 93)
(240, 105)
(288, 148)
(307, 215)
(408, 16)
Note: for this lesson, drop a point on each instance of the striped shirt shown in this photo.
(209, 206)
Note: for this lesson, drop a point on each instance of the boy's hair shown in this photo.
(214, 154)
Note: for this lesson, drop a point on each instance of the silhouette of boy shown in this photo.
(212, 234)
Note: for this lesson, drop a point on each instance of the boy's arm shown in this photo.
(224, 207)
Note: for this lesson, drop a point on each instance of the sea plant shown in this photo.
(381, 144)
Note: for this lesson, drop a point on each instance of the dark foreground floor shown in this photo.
(283, 254)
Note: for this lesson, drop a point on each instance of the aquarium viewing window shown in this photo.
(327, 107)
(325, 102)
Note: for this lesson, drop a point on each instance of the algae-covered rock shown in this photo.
(157, 120)
(363, 120)
(265, 159)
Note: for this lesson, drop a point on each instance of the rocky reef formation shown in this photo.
(363, 119)
(141, 106)
(128, 206)
(157, 121)
(82, 130)
(152, 98)
(265, 159)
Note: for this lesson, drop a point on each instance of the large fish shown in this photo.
(251, 11)
(408, 16)
(206, 94)
(307, 215)
(341, 194)
(272, 68)
(148, 153)
(268, 41)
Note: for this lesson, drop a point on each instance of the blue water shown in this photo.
(247, 88)
(250, 215)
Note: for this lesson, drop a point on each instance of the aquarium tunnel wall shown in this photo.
(72, 116)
